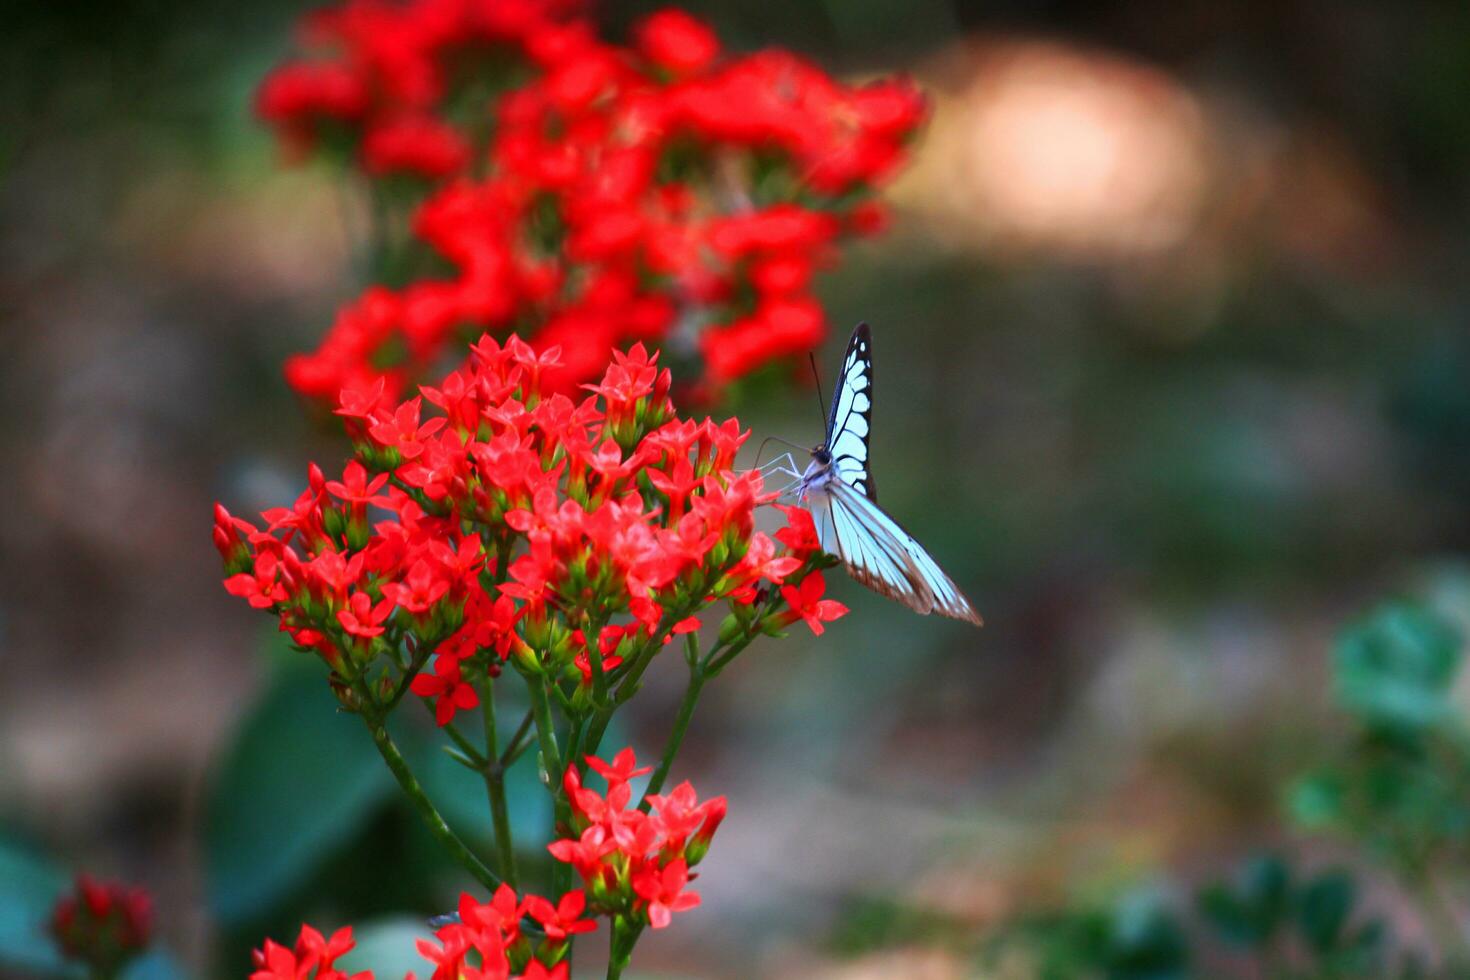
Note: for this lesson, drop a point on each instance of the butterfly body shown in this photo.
(837, 487)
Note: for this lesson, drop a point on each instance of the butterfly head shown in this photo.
(821, 455)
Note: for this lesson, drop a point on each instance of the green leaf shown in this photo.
(1395, 668)
(1362, 951)
(1316, 801)
(1324, 907)
(299, 779)
(29, 886)
(1249, 912)
(1145, 939)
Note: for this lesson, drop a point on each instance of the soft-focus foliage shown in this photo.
(1399, 788)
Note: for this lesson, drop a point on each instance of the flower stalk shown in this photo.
(441, 831)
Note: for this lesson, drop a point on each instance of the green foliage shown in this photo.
(298, 780)
(1251, 910)
(881, 922)
(1138, 937)
(300, 783)
(1303, 926)
(1266, 920)
(1401, 785)
(1393, 670)
(1399, 788)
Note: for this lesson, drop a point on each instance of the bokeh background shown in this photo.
(1173, 377)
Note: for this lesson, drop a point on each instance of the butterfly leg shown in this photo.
(783, 465)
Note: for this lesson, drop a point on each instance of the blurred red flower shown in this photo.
(102, 924)
(586, 194)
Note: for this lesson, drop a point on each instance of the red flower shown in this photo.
(624, 768)
(683, 816)
(362, 618)
(557, 489)
(562, 919)
(449, 689)
(401, 430)
(487, 944)
(677, 42)
(261, 587)
(807, 604)
(800, 533)
(625, 856)
(415, 144)
(662, 889)
(423, 586)
(102, 924)
(297, 95)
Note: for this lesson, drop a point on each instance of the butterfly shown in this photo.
(837, 487)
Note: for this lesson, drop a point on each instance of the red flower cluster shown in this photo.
(517, 524)
(313, 956)
(589, 194)
(486, 943)
(632, 860)
(102, 924)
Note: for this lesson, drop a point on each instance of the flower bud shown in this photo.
(698, 846)
(102, 924)
(525, 658)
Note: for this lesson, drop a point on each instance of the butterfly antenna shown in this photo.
(821, 398)
(770, 439)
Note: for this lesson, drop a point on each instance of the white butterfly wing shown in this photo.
(883, 556)
(873, 557)
(850, 420)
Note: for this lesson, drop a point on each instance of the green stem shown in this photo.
(594, 657)
(697, 677)
(417, 664)
(718, 661)
(545, 729)
(495, 786)
(518, 741)
(574, 739)
(620, 946)
(631, 672)
(410, 786)
(465, 745)
(551, 764)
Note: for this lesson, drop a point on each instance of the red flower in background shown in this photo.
(588, 194)
(673, 40)
(102, 924)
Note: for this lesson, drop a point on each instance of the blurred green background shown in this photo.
(1173, 377)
